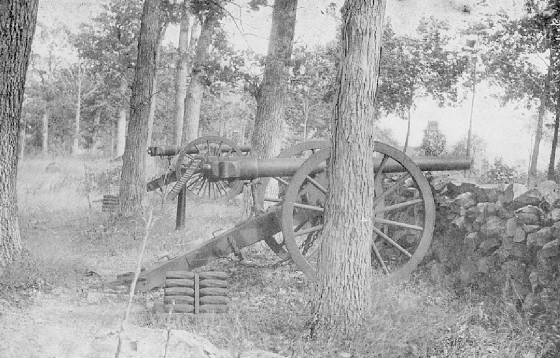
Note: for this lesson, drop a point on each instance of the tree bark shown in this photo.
(76, 142)
(17, 25)
(45, 131)
(133, 181)
(532, 175)
(195, 92)
(269, 127)
(182, 72)
(344, 274)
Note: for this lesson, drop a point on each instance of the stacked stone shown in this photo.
(190, 292)
(499, 240)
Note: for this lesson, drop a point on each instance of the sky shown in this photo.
(507, 131)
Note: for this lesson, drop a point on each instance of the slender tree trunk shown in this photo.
(45, 131)
(305, 116)
(121, 121)
(469, 134)
(407, 130)
(550, 173)
(532, 175)
(344, 275)
(17, 25)
(182, 72)
(76, 142)
(195, 92)
(269, 127)
(133, 181)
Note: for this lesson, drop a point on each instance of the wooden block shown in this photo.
(213, 283)
(179, 300)
(214, 300)
(213, 308)
(179, 308)
(178, 291)
(213, 275)
(213, 291)
(178, 282)
(179, 274)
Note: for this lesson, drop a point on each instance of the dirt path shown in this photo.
(60, 324)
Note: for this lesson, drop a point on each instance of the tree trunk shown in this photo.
(17, 25)
(305, 116)
(269, 127)
(550, 173)
(133, 181)
(121, 132)
(469, 133)
(182, 72)
(195, 92)
(45, 132)
(532, 175)
(344, 274)
(407, 130)
(76, 142)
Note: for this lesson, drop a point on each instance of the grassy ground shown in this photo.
(72, 247)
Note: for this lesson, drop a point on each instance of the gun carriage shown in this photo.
(215, 168)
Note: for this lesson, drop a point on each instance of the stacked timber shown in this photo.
(190, 292)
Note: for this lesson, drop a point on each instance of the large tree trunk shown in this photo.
(532, 175)
(45, 131)
(182, 72)
(344, 272)
(17, 25)
(269, 127)
(195, 92)
(76, 142)
(133, 181)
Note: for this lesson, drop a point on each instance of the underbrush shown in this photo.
(270, 310)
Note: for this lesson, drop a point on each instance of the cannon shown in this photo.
(215, 168)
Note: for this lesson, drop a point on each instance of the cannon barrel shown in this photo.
(172, 150)
(278, 167)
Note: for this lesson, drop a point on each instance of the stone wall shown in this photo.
(502, 242)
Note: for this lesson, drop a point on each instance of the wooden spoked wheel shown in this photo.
(300, 150)
(190, 173)
(403, 221)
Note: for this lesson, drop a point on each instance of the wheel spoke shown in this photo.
(317, 184)
(273, 200)
(309, 230)
(398, 206)
(309, 207)
(379, 258)
(391, 241)
(281, 180)
(201, 187)
(399, 224)
(394, 187)
(195, 181)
